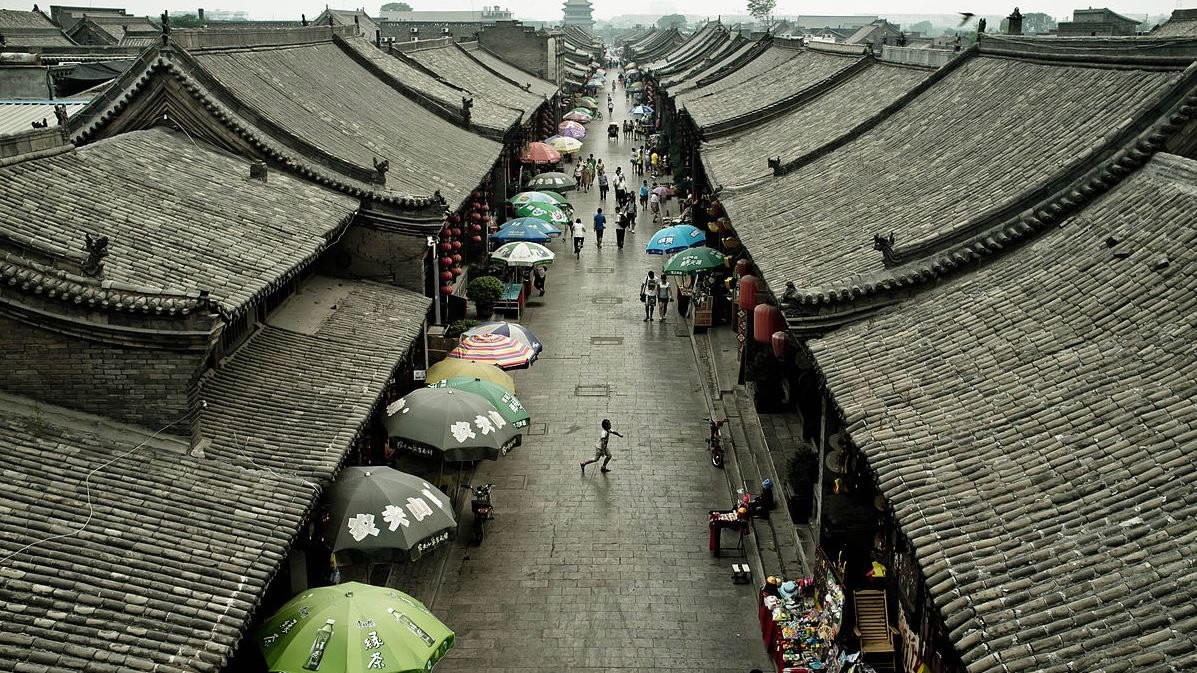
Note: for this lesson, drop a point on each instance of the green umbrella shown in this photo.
(353, 627)
(541, 196)
(542, 211)
(588, 102)
(506, 403)
(694, 259)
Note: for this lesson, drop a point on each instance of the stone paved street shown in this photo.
(602, 572)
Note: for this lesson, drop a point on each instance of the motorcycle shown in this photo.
(715, 441)
(481, 507)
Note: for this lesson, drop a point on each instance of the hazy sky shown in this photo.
(551, 9)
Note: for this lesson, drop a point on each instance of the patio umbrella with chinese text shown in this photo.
(448, 368)
(376, 507)
(460, 426)
(504, 402)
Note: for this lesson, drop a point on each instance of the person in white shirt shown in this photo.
(601, 450)
(664, 295)
(579, 232)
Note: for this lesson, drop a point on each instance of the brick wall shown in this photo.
(385, 256)
(520, 46)
(151, 388)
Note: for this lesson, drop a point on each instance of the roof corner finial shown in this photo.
(886, 246)
(165, 28)
(97, 250)
(380, 171)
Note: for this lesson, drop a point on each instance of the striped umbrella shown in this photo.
(511, 329)
(571, 125)
(496, 349)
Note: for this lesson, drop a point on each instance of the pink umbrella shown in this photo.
(540, 153)
(662, 192)
(577, 117)
(495, 349)
(576, 134)
(571, 125)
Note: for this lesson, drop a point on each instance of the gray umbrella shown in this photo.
(381, 508)
(553, 180)
(459, 426)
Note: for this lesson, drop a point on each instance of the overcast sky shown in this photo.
(551, 9)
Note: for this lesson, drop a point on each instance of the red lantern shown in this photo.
(477, 195)
(446, 276)
(477, 217)
(766, 319)
(779, 344)
(455, 271)
(456, 245)
(446, 232)
(748, 292)
(742, 267)
(456, 232)
(446, 289)
(456, 259)
(445, 246)
(485, 206)
(477, 228)
(456, 218)
(446, 262)
(476, 238)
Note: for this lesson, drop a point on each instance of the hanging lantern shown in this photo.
(731, 242)
(748, 292)
(446, 262)
(477, 194)
(456, 259)
(485, 207)
(743, 267)
(455, 271)
(779, 344)
(766, 319)
(446, 276)
(456, 232)
(456, 218)
(446, 232)
(456, 245)
(445, 246)
(476, 238)
(476, 228)
(476, 217)
(446, 289)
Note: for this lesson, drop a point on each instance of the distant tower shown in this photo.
(579, 13)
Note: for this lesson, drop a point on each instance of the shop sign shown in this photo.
(419, 374)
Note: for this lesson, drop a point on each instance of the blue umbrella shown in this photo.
(536, 224)
(518, 231)
(675, 239)
(641, 110)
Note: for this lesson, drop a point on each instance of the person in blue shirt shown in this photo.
(600, 223)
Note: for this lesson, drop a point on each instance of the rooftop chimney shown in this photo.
(1014, 23)
(200, 14)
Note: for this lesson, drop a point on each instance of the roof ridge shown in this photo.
(1168, 53)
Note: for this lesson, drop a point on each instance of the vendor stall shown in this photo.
(800, 621)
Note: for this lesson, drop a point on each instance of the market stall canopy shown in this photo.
(457, 425)
(502, 351)
(512, 329)
(694, 259)
(539, 153)
(504, 402)
(552, 180)
(542, 211)
(448, 368)
(522, 230)
(377, 507)
(523, 254)
(675, 239)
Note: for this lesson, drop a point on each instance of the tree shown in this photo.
(185, 21)
(671, 21)
(396, 7)
(761, 10)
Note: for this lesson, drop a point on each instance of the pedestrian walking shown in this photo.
(648, 295)
(621, 187)
(611, 104)
(654, 161)
(587, 178)
(621, 226)
(644, 194)
(579, 232)
(538, 277)
(600, 225)
(654, 204)
(602, 450)
(635, 159)
(664, 295)
(631, 211)
(604, 185)
(578, 177)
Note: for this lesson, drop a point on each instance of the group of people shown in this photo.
(585, 172)
(646, 159)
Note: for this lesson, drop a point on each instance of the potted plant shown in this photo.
(459, 327)
(484, 291)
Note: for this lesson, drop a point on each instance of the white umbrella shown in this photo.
(523, 253)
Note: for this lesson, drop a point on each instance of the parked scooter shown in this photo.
(481, 508)
(715, 441)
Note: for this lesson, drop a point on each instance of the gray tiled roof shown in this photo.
(319, 93)
(979, 139)
(174, 554)
(502, 68)
(485, 113)
(344, 360)
(725, 54)
(773, 58)
(757, 94)
(1182, 24)
(179, 217)
(1034, 426)
(13, 18)
(454, 65)
(697, 44)
(738, 159)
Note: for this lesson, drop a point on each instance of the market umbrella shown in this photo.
(694, 259)
(522, 230)
(504, 402)
(542, 211)
(567, 145)
(589, 101)
(641, 110)
(584, 111)
(630, 65)
(539, 153)
(381, 508)
(636, 86)
(450, 367)
(593, 84)
(571, 133)
(570, 125)
(551, 198)
(578, 117)
(501, 351)
(551, 180)
(662, 191)
(534, 224)
(523, 254)
(631, 71)
(512, 329)
(460, 426)
(353, 627)
(674, 239)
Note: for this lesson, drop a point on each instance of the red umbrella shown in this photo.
(540, 153)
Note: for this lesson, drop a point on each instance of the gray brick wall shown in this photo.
(143, 386)
(520, 46)
(385, 256)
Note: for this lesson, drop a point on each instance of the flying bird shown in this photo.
(967, 17)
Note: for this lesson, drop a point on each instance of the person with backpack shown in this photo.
(648, 295)
(600, 225)
(621, 226)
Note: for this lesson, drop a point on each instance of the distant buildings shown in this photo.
(1097, 22)
(488, 16)
(578, 13)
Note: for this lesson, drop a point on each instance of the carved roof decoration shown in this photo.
(968, 205)
(224, 77)
(1033, 425)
